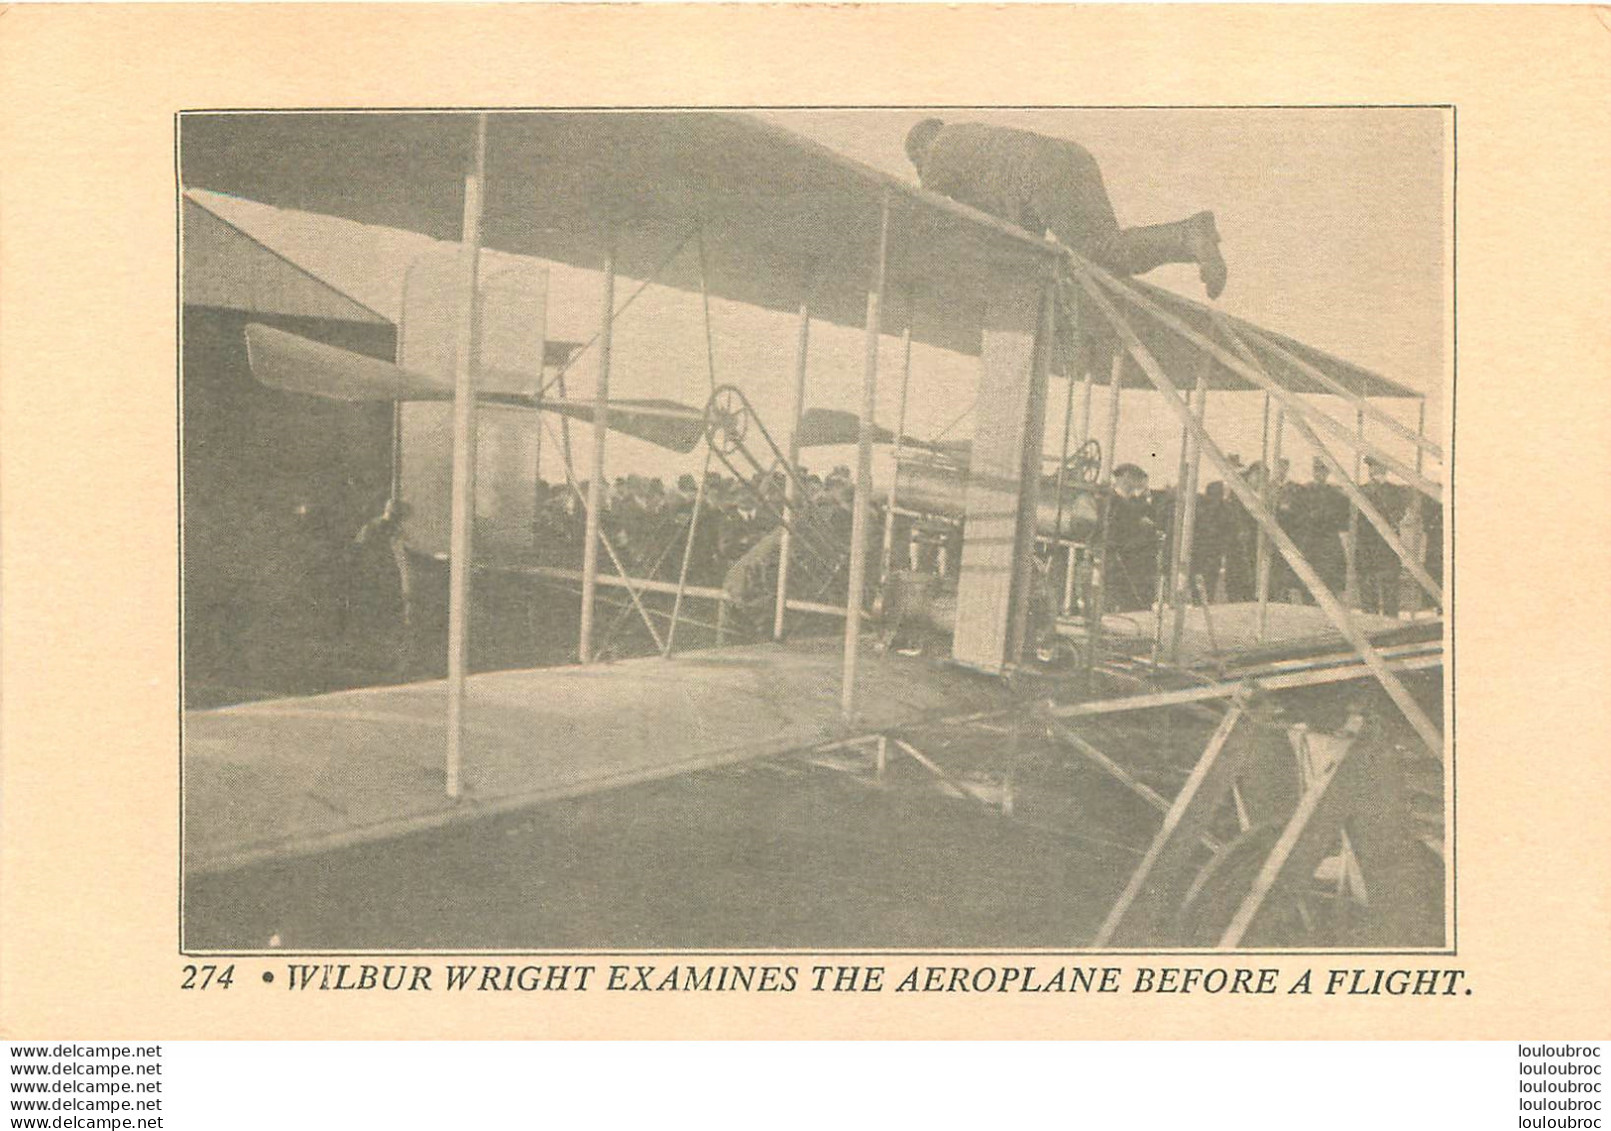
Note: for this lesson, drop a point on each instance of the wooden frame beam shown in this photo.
(1358, 400)
(1186, 503)
(887, 549)
(1334, 610)
(791, 491)
(462, 513)
(864, 465)
(1137, 910)
(595, 482)
(1261, 380)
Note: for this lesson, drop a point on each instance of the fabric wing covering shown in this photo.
(294, 364)
(784, 220)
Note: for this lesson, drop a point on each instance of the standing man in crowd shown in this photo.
(1242, 540)
(1047, 184)
(384, 579)
(1210, 539)
(1320, 515)
(1131, 568)
(1375, 562)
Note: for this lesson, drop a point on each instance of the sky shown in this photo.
(1335, 224)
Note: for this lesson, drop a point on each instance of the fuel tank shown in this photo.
(937, 486)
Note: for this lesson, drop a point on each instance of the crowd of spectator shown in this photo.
(1316, 515)
(647, 521)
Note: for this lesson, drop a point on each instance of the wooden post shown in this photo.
(1351, 584)
(1420, 430)
(1261, 556)
(1136, 914)
(1419, 516)
(1099, 563)
(900, 429)
(1188, 522)
(595, 482)
(1084, 433)
(864, 470)
(564, 421)
(1057, 541)
(791, 492)
(1111, 441)
(687, 554)
(462, 523)
(1270, 503)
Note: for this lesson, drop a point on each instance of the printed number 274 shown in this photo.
(201, 977)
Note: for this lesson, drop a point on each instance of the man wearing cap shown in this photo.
(1048, 184)
(1131, 567)
(1375, 563)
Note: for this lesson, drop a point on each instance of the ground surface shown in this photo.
(771, 854)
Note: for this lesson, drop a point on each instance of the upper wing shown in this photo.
(783, 220)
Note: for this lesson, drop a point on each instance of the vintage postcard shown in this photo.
(684, 520)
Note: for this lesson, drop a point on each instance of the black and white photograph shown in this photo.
(923, 529)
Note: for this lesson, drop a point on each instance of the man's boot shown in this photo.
(1203, 239)
(1135, 251)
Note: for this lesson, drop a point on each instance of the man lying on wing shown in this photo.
(1046, 184)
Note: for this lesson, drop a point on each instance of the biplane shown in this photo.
(1286, 815)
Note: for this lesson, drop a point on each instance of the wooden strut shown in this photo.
(1259, 379)
(1261, 540)
(1172, 587)
(1360, 503)
(462, 520)
(1084, 434)
(1358, 400)
(1123, 776)
(1327, 601)
(1272, 461)
(1186, 501)
(687, 554)
(1285, 856)
(595, 483)
(1352, 563)
(704, 474)
(1057, 540)
(1097, 596)
(888, 549)
(1187, 817)
(558, 379)
(791, 489)
(952, 785)
(624, 580)
(1068, 429)
(864, 467)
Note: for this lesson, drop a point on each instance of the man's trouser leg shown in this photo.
(1135, 251)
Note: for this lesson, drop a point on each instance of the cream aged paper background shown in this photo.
(89, 942)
